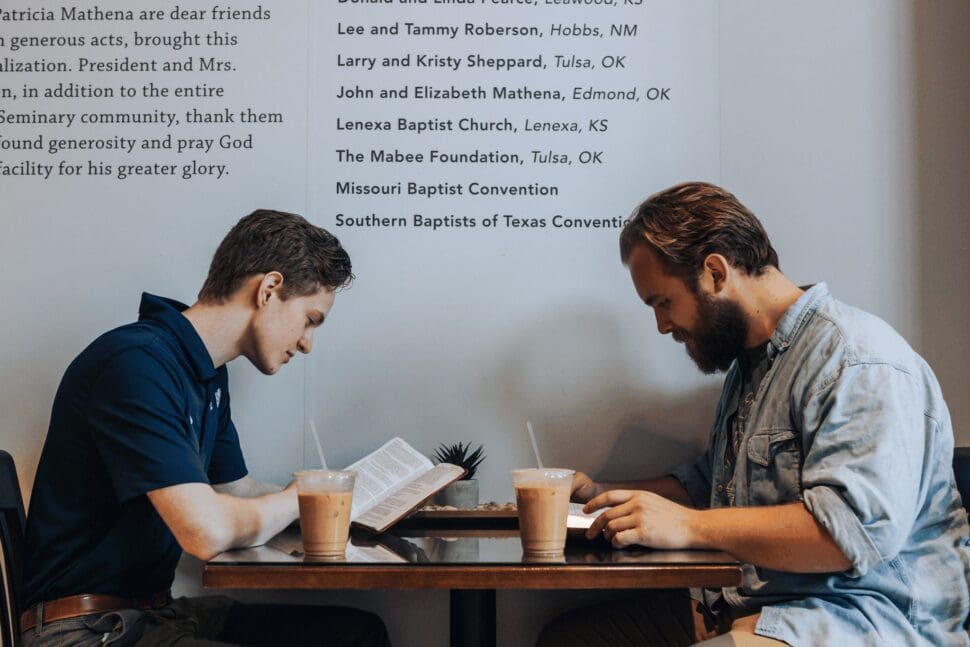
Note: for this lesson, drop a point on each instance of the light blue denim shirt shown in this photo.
(851, 421)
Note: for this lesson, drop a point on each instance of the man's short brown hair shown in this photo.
(308, 257)
(687, 222)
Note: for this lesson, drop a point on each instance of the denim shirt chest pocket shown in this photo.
(769, 465)
(771, 468)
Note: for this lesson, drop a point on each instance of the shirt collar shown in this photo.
(168, 313)
(797, 314)
(751, 357)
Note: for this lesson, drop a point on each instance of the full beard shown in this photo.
(720, 335)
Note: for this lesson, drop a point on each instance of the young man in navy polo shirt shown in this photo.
(142, 460)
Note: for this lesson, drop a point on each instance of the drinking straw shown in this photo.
(535, 447)
(316, 440)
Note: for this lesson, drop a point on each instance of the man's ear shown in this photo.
(716, 271)
(270, 287)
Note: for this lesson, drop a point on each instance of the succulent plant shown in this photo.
(460, 455)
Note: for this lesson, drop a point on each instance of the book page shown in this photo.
(576, 518)
(384, 470)
(290, 544)
(375, 553)
(382, 515)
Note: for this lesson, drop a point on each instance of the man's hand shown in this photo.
(640, 517)
(783, 537)
(584, 488)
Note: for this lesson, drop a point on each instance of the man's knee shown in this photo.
(357, 627)
(557, 633)
(647, 618)
(373, 633)
(304, 625)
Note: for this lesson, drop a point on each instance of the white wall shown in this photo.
(843, 126)
(940, 220)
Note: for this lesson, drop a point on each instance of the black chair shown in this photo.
(961, 469)
(12, 525)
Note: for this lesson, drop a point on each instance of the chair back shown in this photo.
(961, 470)
(12, 528)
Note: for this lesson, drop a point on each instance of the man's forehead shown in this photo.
(646, 265)
(650, 275)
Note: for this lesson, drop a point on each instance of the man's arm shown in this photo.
(784, 537)
(688, 484)
(584, 488)
(781, 537)
(247, 487)
(206, 522)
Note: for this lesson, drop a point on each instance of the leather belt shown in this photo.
(86, 604)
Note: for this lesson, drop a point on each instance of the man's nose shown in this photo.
(663, 324)
(306, 343)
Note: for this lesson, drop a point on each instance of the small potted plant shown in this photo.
(463, 493)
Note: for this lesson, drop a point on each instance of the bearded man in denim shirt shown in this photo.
(829, 467)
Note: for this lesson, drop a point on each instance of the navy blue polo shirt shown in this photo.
(141, 408)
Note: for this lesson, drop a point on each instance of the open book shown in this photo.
(393, 481)
(576, 519)
(578, 522)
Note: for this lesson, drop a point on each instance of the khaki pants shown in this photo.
(735, 639)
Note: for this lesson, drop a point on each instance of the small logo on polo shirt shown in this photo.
(191, 420)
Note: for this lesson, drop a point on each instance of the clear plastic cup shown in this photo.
(326, 498)
(542, 497)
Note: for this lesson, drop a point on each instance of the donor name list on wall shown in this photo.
(418, 114)
(509, 114)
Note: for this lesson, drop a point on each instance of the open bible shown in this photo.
(393, 481)
(576, 519)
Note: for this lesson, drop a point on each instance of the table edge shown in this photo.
(415, 576)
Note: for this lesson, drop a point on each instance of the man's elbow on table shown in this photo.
(203, 544)
(197, 518)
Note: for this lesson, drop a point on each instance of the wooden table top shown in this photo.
(464, 559)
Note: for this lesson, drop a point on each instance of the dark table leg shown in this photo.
(473, 618)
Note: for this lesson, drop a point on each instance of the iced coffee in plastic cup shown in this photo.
(325, 497)
(542, 497)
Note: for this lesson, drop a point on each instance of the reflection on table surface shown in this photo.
(478, 547)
